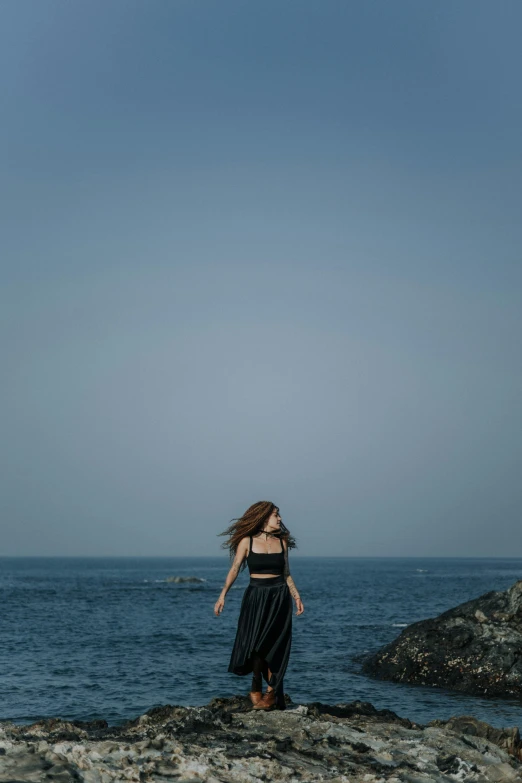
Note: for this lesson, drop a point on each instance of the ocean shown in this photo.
(87, 638)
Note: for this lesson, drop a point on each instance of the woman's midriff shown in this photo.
(264, 576)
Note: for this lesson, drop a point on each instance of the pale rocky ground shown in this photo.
(227, 741)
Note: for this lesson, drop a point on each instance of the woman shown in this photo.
(260, 540)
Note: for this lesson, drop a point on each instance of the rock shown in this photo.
(357, 708)
(228, 742)
(181, 579)
(475, 648)
(509, 739)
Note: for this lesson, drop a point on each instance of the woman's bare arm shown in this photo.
(241, 553)
(290, 582)
(236, 565)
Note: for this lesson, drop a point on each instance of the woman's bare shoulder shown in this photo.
(241, 551)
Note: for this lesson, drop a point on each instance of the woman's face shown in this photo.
(274, 520)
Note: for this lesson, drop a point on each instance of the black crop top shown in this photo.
(266, 562)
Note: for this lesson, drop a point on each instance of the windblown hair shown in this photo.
(251, 523)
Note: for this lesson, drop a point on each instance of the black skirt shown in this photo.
(264, 628)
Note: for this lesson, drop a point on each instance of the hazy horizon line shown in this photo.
(311, 557)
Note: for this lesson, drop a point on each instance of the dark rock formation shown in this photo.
(475, 648)
(228, 742)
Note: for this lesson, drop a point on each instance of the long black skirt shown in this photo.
(264, 629)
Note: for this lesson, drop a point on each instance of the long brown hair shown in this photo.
(250, 523)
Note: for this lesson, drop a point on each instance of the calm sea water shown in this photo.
(110, 638)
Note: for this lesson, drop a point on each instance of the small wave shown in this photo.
(422, 570)
(399, 625)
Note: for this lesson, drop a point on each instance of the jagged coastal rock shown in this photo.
(475, 648)
(228, 742)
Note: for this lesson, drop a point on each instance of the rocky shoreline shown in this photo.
(227, 742)
(475, 648)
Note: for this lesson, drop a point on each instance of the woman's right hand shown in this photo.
(219, 605)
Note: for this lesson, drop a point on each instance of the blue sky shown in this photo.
(261, 251)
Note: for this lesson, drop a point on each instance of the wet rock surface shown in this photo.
(475, 648)
(227, 741)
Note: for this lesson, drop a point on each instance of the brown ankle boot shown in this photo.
(255, 697)
(267, 702)
(256, 689)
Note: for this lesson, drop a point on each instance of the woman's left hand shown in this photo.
(299, 606)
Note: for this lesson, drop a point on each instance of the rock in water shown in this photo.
(475, 648)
